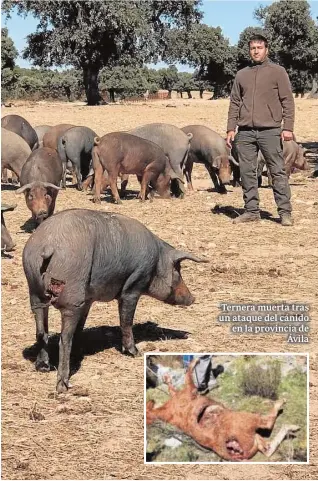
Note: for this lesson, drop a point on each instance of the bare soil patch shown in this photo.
(96, 430)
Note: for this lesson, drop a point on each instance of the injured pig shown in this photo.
(232, 435)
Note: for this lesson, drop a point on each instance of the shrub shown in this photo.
(257, 380)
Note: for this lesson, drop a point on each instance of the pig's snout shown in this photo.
(225, 175)
(41, 215)
(188, 300)
(180, 296)
(8, 247)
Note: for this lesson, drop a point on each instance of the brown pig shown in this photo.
(122, 153)
(40, 179)
(51, 137)
(209, 148)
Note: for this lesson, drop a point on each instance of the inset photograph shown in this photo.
(226, 407)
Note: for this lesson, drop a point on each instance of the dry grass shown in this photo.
(96, 431)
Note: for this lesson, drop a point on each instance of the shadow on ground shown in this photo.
(29, 226)
(97, 339)
(5, 186)
(232, 213)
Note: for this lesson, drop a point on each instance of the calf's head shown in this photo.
(39, 197)
(168, 285)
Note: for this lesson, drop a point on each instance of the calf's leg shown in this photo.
(268, 421)
(280, 436)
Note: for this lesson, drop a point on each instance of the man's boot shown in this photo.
(286, 220)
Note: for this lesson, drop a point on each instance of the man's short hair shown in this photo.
(258, 38)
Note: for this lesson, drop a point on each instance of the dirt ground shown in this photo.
(95, 431)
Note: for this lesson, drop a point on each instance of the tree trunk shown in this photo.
(189, 94)
(90, 77)
(314, 91)
(169, 94)
(201, 94)
(218, 92)
(181, 94)
(68, 93)
(111, 95)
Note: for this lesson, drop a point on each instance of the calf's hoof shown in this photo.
(42, 366)
(292, 428)
(280, 403)
(96, 200)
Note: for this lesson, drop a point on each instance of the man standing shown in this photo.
(261, 99)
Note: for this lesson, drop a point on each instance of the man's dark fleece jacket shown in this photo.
(261, 97)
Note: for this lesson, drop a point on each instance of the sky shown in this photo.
(232, 16)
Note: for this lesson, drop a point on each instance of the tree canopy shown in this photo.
(91, 35)
(8, 55)
(206, 49)
(293, 37)
(110, 41)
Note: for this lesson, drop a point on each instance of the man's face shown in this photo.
(258, 51)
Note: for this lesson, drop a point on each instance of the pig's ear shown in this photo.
(24, 188)
(179, 256)
(216, 163)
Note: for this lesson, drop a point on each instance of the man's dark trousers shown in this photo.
(248, 142)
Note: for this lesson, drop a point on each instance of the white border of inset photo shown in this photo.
(158, 353)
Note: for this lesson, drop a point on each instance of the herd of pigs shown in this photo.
(105, 256)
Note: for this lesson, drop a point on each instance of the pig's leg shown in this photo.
(88, 182)
(14, 178)
(127, 304)
(81, 323)
(42, 336)
(78, 174)
(150, 176)
(64, 175)
(124, 182)
(188, 173)
(113, 186)
(4, 176)
(98, 174)
(220, 188)
(144, 183)
(70, 321)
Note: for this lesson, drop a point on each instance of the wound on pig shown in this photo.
(55, 288)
